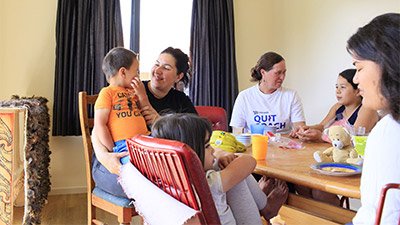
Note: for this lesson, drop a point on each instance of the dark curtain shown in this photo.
(85, 31)
(212, 45)
(135, 26)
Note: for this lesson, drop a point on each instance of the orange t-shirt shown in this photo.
(125, 119)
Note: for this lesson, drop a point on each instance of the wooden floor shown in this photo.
(68, 210)
(71, 210)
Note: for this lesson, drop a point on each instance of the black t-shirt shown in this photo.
(174, 102)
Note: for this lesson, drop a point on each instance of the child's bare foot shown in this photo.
(266, 184)
(275, 199)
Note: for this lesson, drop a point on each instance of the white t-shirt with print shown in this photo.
(381, 166)
(279, 109)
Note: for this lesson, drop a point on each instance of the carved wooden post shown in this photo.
(35, 157)
(12, 122)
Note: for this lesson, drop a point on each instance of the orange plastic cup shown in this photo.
(259, 146)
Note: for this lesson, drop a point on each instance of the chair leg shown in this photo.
(344, 200)
(91, 214)
(97, 222)
(125, 216)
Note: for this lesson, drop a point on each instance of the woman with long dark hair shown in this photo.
(375, 49)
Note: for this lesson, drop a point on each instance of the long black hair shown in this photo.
(187, 128)
(379, 41)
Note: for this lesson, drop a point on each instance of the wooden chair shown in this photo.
(382, 202)
(97, 198)
(175, 168)
(216, 115)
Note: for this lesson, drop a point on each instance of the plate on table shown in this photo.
(337, 169)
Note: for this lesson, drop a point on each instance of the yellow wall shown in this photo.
(310, 34)
(27, 43)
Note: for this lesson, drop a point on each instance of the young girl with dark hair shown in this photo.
(237, 196)
(347, 111)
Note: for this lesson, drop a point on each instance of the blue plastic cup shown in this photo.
(257, 128)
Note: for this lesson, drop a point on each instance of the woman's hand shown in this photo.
(311, 134)
(111, 161)
(296, 130)
(149, 114)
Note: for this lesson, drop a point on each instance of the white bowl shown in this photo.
(244, 139)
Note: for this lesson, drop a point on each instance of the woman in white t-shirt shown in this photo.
(375, 49)
(268, 102)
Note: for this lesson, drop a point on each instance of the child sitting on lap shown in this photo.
(117, 113)
(239, 199)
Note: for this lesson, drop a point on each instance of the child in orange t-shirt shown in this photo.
(117, 113)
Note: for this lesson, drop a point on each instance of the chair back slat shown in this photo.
(175, 168)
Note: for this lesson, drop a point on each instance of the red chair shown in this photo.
(216, 115)
(382, 201)
(175, 168)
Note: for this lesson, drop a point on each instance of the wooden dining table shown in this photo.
(293, 165)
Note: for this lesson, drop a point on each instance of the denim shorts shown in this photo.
(120, 146)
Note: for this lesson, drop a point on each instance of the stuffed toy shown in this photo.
(341, 151)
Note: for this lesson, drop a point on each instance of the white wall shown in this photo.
(310, 34)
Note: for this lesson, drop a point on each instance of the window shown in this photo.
(162, 24)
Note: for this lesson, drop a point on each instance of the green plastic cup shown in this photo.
(359, 144)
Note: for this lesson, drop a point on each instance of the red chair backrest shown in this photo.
(216, 115)
(175, 168)
(382, 202)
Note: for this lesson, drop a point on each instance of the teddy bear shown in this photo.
(341, 151)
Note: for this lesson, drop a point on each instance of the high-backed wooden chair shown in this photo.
(216, 115)
(175, 168)
(97, 198)
(382, 202)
